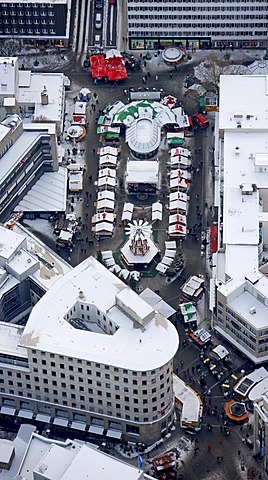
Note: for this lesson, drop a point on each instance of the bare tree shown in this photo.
(210, 71)
(9, 48)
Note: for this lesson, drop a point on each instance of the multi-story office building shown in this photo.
(239, 287)
(197, 24)
(260, 425)
(40, 23)
(92, 353)
(26, 152)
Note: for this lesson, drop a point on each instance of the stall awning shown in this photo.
(61, 422)
(8, 411)
(96, 429)
(41, 417)
(114, 434)
(25, 414)
(78, 426)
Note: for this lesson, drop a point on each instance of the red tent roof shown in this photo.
(116, 69)
(113, 68)
(98, 66)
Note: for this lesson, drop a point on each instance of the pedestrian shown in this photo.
(209, 448)
(193, 369)
(170, 76)
(182, 363)
(238, 453)
(220, 440)
(148, 74)
(156, 78)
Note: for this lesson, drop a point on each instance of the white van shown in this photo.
(97, 41)
(98, 21)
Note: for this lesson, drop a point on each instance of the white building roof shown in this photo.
(128, 347)
(157, 302)
(144, 171)
(191, 404)
(8, 75)
(10, 242)
(48, 194)
(31, 94)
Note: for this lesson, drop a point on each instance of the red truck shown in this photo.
(200, 120)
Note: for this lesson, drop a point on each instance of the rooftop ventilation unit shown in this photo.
(252, 310)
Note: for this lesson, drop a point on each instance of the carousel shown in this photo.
(139, 250)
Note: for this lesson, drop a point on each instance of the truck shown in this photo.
(200, 120)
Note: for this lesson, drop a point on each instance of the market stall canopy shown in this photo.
(98, 66)
(108, 151)
(157, 211)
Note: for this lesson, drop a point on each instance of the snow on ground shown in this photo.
(41, 225)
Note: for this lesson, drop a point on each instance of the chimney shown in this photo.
(44, 96)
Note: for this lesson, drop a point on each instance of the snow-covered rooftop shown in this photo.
(8, 75)
(31, 87)
(243, 100)
(128, 347)
(144, 171)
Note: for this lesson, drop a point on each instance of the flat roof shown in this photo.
(191, 403)
(13, 155)
(243, 99)
(128, 347)
(31, 94)
(10, 336)
(143, 171)
(242, 305)
(9, 243)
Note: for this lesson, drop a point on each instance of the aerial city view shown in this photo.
(133, 240)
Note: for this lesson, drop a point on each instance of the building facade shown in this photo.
(41, 23)
(260, 437)
(239, 285)
(30, 151)
(104, 361)
(195, 24)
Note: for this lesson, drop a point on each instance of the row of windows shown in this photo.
(6, 13)
(201, 4)
(97, 365)
(197, 17)
(7, 21)
(23, 31)
(193, 33)
(187, 8)
(27, 5)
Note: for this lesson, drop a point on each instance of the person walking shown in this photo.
(170, 76)
(209, 448)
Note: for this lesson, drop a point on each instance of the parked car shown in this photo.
(98, 4)
(98, 21)
(112, 2)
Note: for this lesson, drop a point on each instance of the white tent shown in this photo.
(161, 268)
(170, 245)
(105, 205)
(176, 206)
(157, 211)
(179, 161)
(106, 182)
(180, 173)
(127, 211)
(108, 151)
(104, 228)
(177, 218)
(107, 161)
(178, 182)
(184, 152)
(106, 194)
(107, 172)
(178, 196)
(177, 230)
(103, 216)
